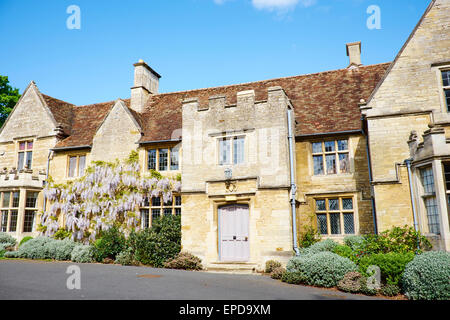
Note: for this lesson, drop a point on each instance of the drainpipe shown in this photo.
(50, 156)
(408, 165)
(293, 184)
(372, 199)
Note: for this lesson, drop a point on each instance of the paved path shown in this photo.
(21, 279)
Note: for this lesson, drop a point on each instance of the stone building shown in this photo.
(330, 149)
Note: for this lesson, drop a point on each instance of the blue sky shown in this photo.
(191, 43)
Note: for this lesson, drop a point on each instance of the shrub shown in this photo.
(185, 261)
(293, 277)
(309, 237)
(346, 252)
(326, 245)
(365, 288)
(326, 269)
(7, 240)
(109, 245)
(354, 242)
(427, 277)
(398, 239)
(271, 265)
(158, 244)
(351, 282)
(392, 265)
(2, 252)
(390, 290)
(25, 239)
(82, 254)
(12, 254)
(277, 273)
(296, 264)
(61, 249)
(125, 258)
(37, 248)
(62, 234)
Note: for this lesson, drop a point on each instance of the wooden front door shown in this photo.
(233, 233)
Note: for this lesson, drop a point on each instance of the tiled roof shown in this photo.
(324, 102)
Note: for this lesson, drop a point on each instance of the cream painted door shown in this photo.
(233, 233)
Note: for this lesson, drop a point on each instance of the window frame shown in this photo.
(426, 196)
(26, 151)
(173, 205)
(233, 154)
(157, 158)
(341, 211)
(336, 154)
(445, 89)
(10, 210)
(77, 165)
(32, 209)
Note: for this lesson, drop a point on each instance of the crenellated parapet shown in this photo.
(25, 178)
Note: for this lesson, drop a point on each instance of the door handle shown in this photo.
(246, 239)
(234, 237)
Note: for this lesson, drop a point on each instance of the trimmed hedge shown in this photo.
(82, 254)
(427, 277)
(392, 265)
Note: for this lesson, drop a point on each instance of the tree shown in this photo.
(8, 98)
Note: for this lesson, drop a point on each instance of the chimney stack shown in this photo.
(146, 82)
(354, 53)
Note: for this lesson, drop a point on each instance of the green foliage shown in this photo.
(11, 254)
(365, 289)
(390, 290)
(37, 248)
(109, 245)
(326, 269)
(2, 252)
(326, 245)
(25, 239)
(308, 237)
(351, 282)
(155, 174)
(346, 252)
(133, 157)
(6, 239)
(82, 254)
(398, 239)
(178, 177)
(62, 234)
(277, 273)
(60, 250)
(271, 265)
(158, 244)
(293, 277)
(8, 98)
(392, 265)
(427, 277)
(125, 258)
(354, 242)
(185, 261)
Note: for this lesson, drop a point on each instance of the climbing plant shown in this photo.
(109, 194)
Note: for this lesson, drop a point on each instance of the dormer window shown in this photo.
(25, 155)
(446, 87)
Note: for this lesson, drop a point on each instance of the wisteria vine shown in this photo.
(108, 194)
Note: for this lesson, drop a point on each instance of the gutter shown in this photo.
(293, 185)
(71, 148)
(158, 141)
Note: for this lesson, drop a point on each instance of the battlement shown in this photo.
(13, 178)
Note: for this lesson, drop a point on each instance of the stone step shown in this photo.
(232, 267)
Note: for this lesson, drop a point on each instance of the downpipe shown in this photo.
(50, 156)
(293, 184)
(411, 190)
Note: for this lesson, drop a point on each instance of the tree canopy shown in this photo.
(8, 98)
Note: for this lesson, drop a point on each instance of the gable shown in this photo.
(412, 82)
(117, 135)
(30, 117)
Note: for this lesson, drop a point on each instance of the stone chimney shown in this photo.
(354, 53)
(146, 82)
